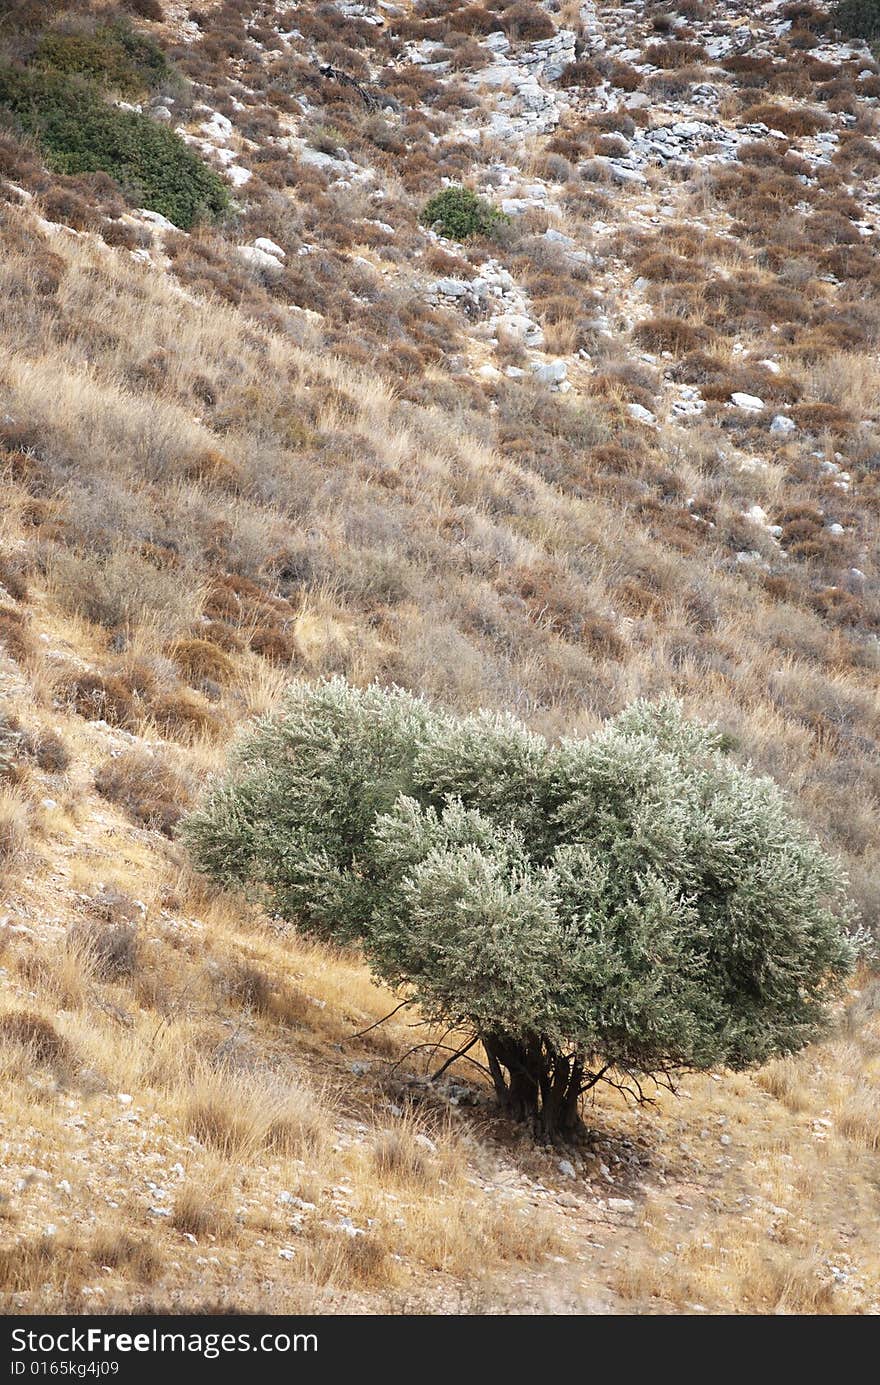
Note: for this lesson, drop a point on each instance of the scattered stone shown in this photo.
(451, 288)
(620, 1204)
(258, 259)
(549, 372)
(750, 402)
(781, 424)
(155, 219)
(641, 414)
(269, 247)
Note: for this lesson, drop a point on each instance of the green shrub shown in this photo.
(858, 18)
(461, 213)
(602, 909)
(113, 56)
(79, 132)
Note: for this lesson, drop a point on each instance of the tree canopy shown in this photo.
(624, 905)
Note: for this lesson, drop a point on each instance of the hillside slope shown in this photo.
(625, 443)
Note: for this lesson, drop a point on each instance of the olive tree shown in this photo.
(615, 908)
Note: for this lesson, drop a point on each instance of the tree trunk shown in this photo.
(535, 1085)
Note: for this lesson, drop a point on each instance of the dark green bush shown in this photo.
(858, 18)
(79, 132)
(113, 56)
(461, 213)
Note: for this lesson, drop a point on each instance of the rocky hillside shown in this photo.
(605, 424)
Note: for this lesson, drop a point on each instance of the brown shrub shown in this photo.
(185, 715)
(199, 659)
(68, 207)
(526, 22)
(97, 698)
(624, 77)
(664, 266)
(199, 1212)
(146, 787)
(145, 9)
(275, 643)
(50, 752)
(213, 468)
(12, 579)
(124, 235)
(112, 947)
(817, 417)
(15, 638)
(674, 54)
(120, 1251)
(38, 1035)
(580, 74)
(670, 334)
(791, 120)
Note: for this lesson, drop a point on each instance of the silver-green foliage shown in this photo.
(633, 899)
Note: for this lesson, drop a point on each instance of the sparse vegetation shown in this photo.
(220, 474)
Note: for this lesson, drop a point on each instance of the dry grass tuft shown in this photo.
(120, 1251)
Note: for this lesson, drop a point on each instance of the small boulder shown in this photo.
(549, 372)
(269, 247)
(259, 260)
(641, 414)
(782, 425)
